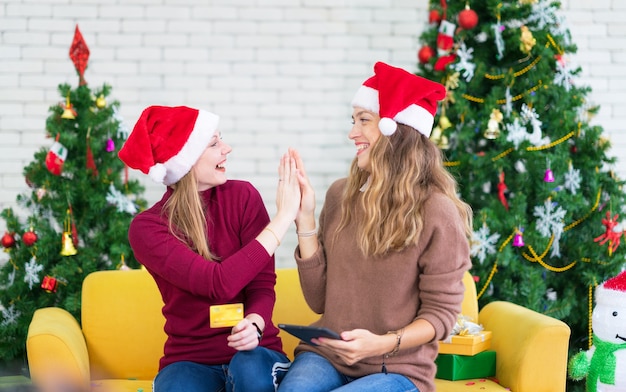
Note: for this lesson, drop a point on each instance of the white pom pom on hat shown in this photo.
(387, 126)
(157, 172)
(400, 97)
(613, 291)
(167, 141)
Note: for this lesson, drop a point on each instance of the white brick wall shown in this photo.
(279, 72)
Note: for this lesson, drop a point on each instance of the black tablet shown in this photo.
(306, 333)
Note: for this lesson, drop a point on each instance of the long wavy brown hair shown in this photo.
(406, 168)
(186, 216)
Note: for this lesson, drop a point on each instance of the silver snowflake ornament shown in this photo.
(483, 243)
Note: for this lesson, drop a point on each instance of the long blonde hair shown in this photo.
(186, 216)
(406, 168)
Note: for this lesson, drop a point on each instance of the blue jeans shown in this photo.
(259, 370)
(311, 372)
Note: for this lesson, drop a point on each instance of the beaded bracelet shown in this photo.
(398, 340)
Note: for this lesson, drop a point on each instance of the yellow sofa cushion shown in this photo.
(475, 384)
(56, 348)
(290, 307)
(123, 324)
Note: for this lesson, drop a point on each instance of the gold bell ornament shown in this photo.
(493, 125)
(68, 109)
(122, 265)
(67, 244)
(68, 248)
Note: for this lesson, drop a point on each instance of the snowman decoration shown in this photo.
(604, 364)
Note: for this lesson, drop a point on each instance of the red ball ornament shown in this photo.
(425, 54)
(8, 240)
(468, 19)
(29, 238)
(434, 17)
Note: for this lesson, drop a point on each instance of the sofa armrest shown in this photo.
(531, 348)
(56, 350)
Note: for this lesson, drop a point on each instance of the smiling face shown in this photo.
(210, 169)
(364, 134)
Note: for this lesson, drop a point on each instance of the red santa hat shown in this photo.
(398, 96)
(167, 141)
(613, 291)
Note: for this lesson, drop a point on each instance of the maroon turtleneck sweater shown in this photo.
(190, 284)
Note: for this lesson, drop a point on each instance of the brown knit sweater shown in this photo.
(385, 294)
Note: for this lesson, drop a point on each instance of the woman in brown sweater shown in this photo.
(385, 267)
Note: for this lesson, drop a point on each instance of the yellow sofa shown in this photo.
(121, 339)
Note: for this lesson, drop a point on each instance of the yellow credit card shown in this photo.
(226, 315)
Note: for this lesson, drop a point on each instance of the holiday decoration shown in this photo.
(425, 54)
(483, 243)
(518, 240)
(437, 135)
(65, 200)
(465, 64)
(91, 164)
(110, 146)
(41, 192)
(122, 265)
(434, 17)
(548, 176)
(79, 53)
(527, 41)
(68, 110)
(604, 363)
(29, 238)
(32, 269)
(529, 116)
(493, 125)
(518, 60)
(572, 179)
(445, 42)
(101, 102)
(612, 234)
(56, 158)
(501, 189)
(8, 240)
(67, 244)
(49, 284)
(121, 202)
(468, 19)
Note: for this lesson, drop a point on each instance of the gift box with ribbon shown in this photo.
(466, 344)
(466, 338)
(463, 367)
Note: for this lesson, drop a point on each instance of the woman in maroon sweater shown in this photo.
(385, 269)
(209, 241)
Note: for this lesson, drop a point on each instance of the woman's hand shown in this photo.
(288, 192)
(243, 336)
(306, 213)
(357, 345)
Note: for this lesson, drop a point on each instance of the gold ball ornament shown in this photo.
(437, 135)
(101, 102)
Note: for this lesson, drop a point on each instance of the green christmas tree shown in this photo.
(515, 131)
(80, 205)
